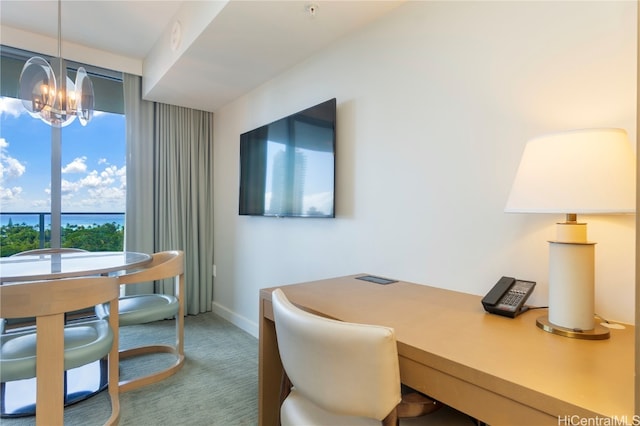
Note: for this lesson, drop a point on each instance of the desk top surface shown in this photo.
(451, 331)
(64, 265)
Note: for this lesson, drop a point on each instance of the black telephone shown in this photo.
(507, 297)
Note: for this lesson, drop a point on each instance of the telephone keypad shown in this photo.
(512, 298)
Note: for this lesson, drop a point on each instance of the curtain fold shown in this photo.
(139, 215)
(178, 192)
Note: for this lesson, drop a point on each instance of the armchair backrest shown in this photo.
(50, 297)
(345, 368)
(163, 264)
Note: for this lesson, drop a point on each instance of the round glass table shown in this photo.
(69, 264)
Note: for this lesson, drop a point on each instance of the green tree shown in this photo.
(105, 237)
(17, 238)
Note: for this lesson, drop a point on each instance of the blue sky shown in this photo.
(93, 162)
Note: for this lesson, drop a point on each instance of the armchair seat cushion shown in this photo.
(83, 343)
(143, 308)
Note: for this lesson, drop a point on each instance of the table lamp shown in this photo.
(588, 171)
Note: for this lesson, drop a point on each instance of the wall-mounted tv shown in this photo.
(287, 168)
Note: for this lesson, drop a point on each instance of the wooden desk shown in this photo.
(499, 370)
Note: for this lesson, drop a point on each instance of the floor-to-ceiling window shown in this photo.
(93, 168)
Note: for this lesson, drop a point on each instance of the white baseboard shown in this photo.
(235, 319)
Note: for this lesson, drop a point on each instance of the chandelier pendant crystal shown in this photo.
(48, 93)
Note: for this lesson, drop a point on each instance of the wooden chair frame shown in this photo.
(48, 301)
(25, 322)
(166, 264)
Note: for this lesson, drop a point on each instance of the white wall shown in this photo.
(435, 104)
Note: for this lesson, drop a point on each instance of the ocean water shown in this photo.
(85, 219)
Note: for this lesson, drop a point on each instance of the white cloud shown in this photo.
(108, 193)
(92, 180)
(78, 165)
(10, 194)
(96, 180)
(109, 172)
(122, 175)
(10, 168)
(12, 107)
(104, 189)
(68, 187)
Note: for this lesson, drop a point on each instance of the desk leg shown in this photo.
(269, 369)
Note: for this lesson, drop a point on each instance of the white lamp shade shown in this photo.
(582, 171)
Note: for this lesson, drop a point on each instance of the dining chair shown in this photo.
(340, 373)
(146, 308)
(52, 348)
(10, 323)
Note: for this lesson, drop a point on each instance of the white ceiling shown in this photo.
(222, 50)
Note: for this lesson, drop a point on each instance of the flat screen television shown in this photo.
(287, 168)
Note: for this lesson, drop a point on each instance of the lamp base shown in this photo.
(598, 333)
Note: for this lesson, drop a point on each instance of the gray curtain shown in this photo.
(171, 167)
(184, 197)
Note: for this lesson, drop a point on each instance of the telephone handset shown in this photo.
(507, 297)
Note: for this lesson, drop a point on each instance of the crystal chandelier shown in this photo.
(49, 94)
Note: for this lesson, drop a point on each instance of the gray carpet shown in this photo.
(218, 384)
